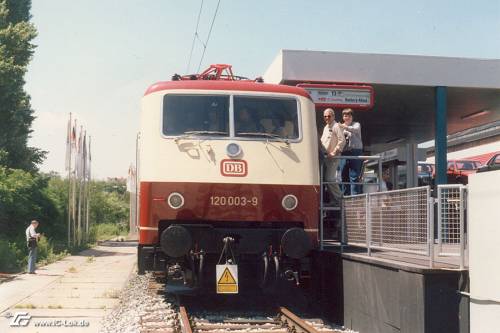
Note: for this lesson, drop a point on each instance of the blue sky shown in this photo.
(95, 58)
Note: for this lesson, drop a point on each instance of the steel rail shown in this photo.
(294, 323)
(184, 321)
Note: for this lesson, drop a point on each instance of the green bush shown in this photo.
(23, 198)
(26, 196)
(106, 230)
(46, 253)
(45, 249)
(9, 261)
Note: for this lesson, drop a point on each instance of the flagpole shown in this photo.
(82, 181)
(69, 181)
(80, 152)
(88, 189)
(73, 201)
(84, 200)
(85, 185)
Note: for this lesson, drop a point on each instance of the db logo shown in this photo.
(233, 168)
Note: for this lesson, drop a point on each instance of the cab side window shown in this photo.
(497, 160)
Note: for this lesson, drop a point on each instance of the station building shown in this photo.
(411, 100)
(416, 98)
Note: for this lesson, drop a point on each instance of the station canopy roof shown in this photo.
(404, 87)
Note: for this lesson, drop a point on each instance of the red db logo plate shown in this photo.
(233, 168)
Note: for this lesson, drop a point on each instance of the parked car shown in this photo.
(492, 164)
(459, 170)
(426, 173)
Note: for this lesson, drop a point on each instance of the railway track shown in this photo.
(284, 322)
(207, 319)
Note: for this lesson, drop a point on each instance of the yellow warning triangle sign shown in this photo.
(226, 278)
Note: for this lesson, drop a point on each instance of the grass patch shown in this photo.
(112, 293)
(54, 307)
(90, 259)
(25, 306)
(72, 269)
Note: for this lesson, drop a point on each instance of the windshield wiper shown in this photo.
(205, 133)
(189, 134)
(264, 134)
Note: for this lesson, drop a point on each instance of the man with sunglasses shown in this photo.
(333, 141)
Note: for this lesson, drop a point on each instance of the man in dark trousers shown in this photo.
(32, 240)
(351, 168)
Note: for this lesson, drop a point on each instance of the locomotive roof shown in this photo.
(226, 85)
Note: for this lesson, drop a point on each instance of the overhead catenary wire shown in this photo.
(208, 37)
(196, 36)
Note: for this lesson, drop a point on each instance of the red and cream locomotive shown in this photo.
(227, 164)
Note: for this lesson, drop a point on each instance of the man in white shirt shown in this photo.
(32, 241)
(333, 141)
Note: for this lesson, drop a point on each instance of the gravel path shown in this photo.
(140, 310)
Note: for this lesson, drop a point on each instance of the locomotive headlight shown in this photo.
(289, 202)
(175, 200)
(233, 150)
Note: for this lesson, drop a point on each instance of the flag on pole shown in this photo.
(84, 156)
(89, 160)
(79, 155)
(73, 136)
(68, 145)
(131, 179)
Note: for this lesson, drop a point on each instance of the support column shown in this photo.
(411, 165)
(440, 131)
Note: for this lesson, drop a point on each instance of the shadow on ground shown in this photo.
(117, 243)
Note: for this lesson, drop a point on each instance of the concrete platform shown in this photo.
(383, 293)
(409, 259)
(73, 294)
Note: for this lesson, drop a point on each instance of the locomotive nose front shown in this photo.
(176, 241)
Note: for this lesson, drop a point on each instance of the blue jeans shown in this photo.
(350, 170)
(32, 259)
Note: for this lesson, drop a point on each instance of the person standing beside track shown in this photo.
(351, 168)
(32, 242)
(333, 141)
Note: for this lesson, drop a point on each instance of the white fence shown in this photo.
(403, 221)
(452, 204)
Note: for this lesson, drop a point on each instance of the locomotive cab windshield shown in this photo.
(212, 115)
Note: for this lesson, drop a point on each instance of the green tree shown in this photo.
(23, 197)
(109, 202)
(16, 115)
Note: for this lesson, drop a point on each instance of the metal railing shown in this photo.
(403, 221)
(399, 220)
(451, 221)
(355, 217)
(324, 209)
